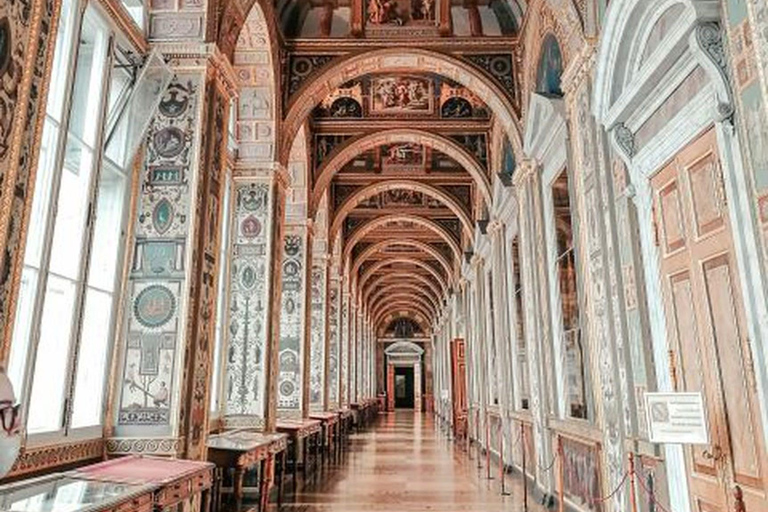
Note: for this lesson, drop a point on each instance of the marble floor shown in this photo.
(405, 464)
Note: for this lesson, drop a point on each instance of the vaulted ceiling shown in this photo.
(403, 145)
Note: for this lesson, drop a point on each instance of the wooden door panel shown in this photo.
(744, 439)
(685, 327)
(706, 327)
(673, 231)
(706, 195)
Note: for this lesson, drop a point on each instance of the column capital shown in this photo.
(524, 171)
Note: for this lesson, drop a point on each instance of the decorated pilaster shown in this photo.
(160, 401)
(319, 350)
(294, 357)
(344, 353)
(333, 381)
(254, 298)
(536, 315)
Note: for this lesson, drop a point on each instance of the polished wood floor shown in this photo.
(405, 464)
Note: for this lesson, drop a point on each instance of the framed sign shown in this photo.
(677, 418)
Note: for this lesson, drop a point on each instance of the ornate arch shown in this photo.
(394, 60)
(371, 190)
(370, 251)
(416, 317)
(255, 45)
(385, 279)
(434, 300)
(402, 306)
(410, 298)
(419, 263)
(618, 64)
(564, 23)
(369, 227)
(350, 149)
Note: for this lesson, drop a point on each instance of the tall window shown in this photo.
(569, 301)
(493, 358)
(522, 348)
(221, 301)
(70, 280)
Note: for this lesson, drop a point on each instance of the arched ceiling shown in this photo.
(402, 104)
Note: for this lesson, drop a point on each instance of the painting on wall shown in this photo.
(458, 102)
(405, 156)
(400, 12)
(401, 95)
(582, 474)
(550, 68)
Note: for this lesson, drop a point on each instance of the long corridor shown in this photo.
(405, 464)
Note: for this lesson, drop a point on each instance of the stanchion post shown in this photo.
(477, 441)
(561, 474)
(525, 474)
(632, 489)
(488, 447)
(501, 461)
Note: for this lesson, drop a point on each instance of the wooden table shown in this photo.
(74, 493)
(346, 418)
(330, 422)
(180, 484)
(301, 434)
(242, 450)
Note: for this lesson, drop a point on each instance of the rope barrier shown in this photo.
(597, 500)
(651, 495)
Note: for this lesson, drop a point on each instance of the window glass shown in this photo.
(221, 305)
(569, 302)
(522, 349)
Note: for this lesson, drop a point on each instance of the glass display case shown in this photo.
(71, 493)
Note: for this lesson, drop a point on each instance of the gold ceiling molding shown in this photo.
(409, 298)
(394, 310)
(391, 60)
(390, 289)
(397, 277)
(413, 261)
(422, 246)
(361, 195)
(360, 233)
(354, 147)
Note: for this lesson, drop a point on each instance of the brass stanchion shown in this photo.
(632, 489)
(488, 447)
(501, 461)
(561, 474)
(525, 474)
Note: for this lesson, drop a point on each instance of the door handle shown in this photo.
(716, 455)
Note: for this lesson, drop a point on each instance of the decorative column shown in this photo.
(502, 329)
(344, 354)
(353, 345)
(318, 354)
(160, 397)
(255, 293)
(536, 317)
(293, 366)
(333, 381)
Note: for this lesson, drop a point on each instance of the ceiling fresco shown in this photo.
(411, 144)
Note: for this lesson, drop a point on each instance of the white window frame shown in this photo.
(66, 431)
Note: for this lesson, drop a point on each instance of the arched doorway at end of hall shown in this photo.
(404, 369)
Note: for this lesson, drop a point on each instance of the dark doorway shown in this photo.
(404, 388)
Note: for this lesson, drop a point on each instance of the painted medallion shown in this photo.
(154, 306)
(169, 142)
